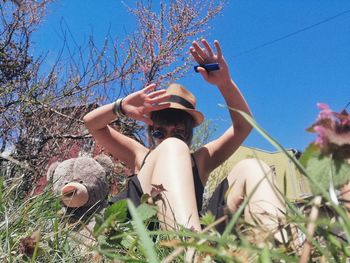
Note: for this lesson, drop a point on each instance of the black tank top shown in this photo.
(198, 186)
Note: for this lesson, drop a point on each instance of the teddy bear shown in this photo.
(82, 184)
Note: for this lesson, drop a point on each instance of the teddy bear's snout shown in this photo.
(74, 194)
(69, 191)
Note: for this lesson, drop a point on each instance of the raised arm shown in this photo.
(137, 105)
(216, 152)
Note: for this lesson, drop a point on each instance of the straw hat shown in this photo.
(184, 100)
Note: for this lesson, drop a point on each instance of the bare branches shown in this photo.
(158, 46)
(42, 104)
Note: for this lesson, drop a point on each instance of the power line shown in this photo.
(293, 33)
(347, 105)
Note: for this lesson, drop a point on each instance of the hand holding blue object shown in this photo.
(208, 67)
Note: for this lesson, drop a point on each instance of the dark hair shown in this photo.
(172, 116)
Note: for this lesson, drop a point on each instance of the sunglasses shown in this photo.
(158, 134)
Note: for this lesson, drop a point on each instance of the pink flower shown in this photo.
(145, 68)
(321, 138)
(325, 112)
(337, 138)
(332, 128)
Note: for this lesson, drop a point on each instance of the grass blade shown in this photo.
(141, 230)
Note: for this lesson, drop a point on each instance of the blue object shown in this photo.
(208, 67)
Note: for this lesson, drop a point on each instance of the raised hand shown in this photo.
(206, 55)
(138, 105)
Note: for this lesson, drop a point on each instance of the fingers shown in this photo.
(157, 93)
(208, 48)
(203, 72)
(206, 54)
(149, 88)
(146, 117)
(154, 97)
(218, 49)
(198, 51)
(195, 55)
(158, 97)
(158, 100)
(159, 107)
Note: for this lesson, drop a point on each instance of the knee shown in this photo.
(253, 167)
(173, 145)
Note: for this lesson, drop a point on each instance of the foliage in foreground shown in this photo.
(35, 230)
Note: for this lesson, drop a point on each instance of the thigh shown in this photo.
(171, 155)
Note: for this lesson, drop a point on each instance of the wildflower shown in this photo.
(156, 191)
(333, 132)
(28, 244)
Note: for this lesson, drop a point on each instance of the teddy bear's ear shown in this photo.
(105, 162)
(51, 170)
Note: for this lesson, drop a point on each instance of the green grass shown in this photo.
(39, 215)
(111, 240)
(34, 229)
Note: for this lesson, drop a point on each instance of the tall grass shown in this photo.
(34, 229)
(31, 229)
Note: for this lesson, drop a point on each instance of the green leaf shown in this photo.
(207, 219)
(335, 242)
(98, 222)
(265, 256)
(118, 210)
(307, 154)
(341, 173)
(128, 241)
(115, 212)
(146, 211)
(320, 167)
(144, 198)
(346, 250)
(146, 242)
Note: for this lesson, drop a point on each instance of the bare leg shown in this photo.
(252, 177)
(170, 165)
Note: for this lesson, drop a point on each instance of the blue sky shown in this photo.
(282, 82)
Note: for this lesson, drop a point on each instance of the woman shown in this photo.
(171, 115)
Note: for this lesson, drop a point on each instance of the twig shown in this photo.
(20, 164)
(305, 255)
